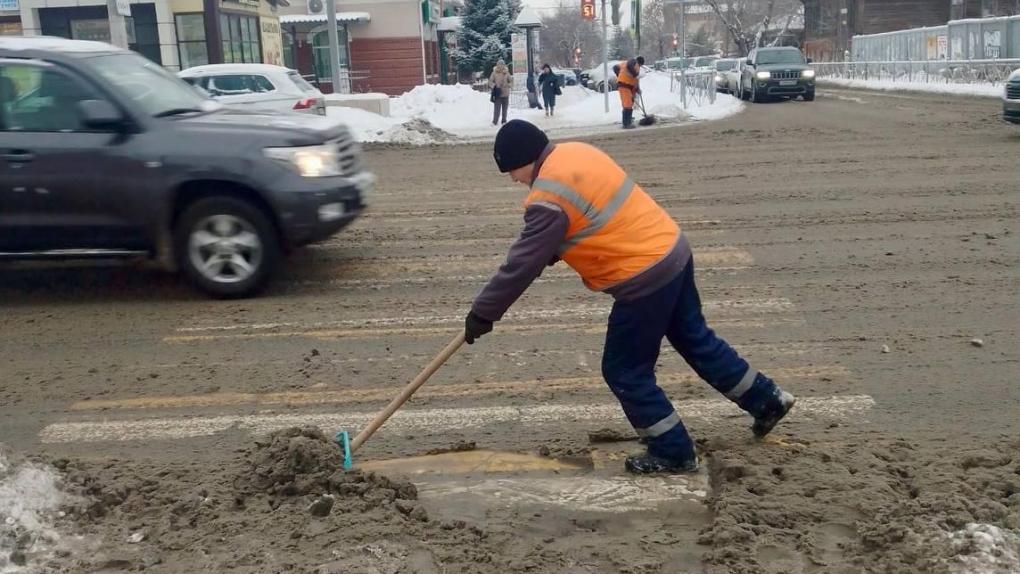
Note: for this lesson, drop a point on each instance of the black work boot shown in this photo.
(774, 413)
(650, 464)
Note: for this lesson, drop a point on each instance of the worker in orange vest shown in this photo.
(584, 209)
(629, 86)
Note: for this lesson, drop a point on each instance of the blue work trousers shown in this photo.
(633, 340)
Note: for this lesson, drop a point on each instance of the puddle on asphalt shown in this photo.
(470, 484)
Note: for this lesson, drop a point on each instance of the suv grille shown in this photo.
(786, 75)
(349, 154)
(1013, 91)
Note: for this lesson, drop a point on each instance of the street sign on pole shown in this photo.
(588, 9)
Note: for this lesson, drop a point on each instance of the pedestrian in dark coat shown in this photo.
(550, 84)
(532, 93)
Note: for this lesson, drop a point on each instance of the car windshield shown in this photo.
(703, 62)
(780, 57)
(725, 65)
(157, 91)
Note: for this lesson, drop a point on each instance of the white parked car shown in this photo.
(257, 86)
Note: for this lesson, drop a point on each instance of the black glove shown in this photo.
(475, 327)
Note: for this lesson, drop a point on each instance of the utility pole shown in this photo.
(605, 57)
(117, 11)
(334, 44)
(683, 55)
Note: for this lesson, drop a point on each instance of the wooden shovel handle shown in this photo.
(409, 390)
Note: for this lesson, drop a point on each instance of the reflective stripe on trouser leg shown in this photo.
(633, 340)
(742, 386)
(660, 428)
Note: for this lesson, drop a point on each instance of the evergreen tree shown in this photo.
(621, 45)
(484, 35)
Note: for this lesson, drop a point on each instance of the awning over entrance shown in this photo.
(321, 18)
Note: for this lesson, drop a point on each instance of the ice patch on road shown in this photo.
(985, 90)
(29, 501)
(432, 113)
(985, 549)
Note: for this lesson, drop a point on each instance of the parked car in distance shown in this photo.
(257, 86)
(727, 75)
(596, 79)
(1011, 99)
(703, 64)
(107, 155)
(777, 72)
(567, 77)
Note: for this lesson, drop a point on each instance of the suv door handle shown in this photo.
(18, 156)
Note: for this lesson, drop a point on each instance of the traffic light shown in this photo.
(676, 41)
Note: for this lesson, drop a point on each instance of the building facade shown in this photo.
(387, 46)
(175, 33)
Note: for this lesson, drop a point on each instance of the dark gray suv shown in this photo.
(777, 73)
(105, 154)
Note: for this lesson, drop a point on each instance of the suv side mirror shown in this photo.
(749, 62)
(101, 114)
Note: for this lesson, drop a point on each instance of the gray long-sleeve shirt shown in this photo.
(545, 228)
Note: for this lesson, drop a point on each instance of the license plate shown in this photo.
(788, 83)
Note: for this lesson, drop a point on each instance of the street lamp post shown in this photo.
(605, 57)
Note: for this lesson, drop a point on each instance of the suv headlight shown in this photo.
(309, 161)
(764, 75)
(807, 74)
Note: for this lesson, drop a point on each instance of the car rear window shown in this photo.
(301, 82)
(725, 65)
(238, 85)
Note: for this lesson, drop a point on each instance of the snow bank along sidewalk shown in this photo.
(984, 90)
(440, 114)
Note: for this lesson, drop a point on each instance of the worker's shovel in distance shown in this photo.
(646, 119)
(343, 437)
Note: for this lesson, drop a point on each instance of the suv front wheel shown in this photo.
(226, 246)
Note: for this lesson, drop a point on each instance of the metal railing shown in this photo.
(925, 71)
(348, 80)
(695, 88)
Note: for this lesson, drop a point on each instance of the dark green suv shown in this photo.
(777, 73)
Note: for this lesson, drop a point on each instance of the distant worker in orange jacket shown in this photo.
(584, 209)
(629, 86)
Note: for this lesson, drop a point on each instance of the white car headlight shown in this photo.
(718, 78)
(309, 161)
(807, 74)
(764, 75)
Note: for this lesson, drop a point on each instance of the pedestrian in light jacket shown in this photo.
(500, 82)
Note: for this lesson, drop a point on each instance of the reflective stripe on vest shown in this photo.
(597, 218)
(615, 229)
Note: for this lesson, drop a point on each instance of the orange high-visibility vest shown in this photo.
(616, 230)
(626, 85)
(624, 78)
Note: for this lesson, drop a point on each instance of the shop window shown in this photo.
(320, 47)
(240, 39)
(191, 40)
